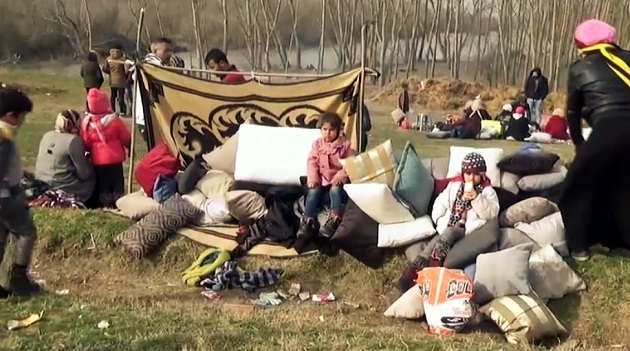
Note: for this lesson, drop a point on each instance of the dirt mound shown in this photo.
(450, 95)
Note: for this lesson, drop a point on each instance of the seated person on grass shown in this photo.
(62, 162)
(467, 204)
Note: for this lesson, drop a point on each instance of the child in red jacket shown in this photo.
(108, 141)
(557, 125)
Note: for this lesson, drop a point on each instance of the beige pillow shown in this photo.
(245, 205)
(215, 183)
(378, 201)
(136, 205)
(551, 277)
(223, 158)
(377, 165)
(409, 306)
(195, 197)
(523, 318)
(527, 211)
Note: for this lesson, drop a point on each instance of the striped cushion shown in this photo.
(377, 165)
(523, 318)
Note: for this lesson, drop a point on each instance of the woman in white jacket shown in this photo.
(467, 203)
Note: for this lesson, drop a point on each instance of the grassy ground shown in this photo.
(149, 309)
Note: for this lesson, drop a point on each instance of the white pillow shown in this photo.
(273, 155)
(409, 306)
(586, 132)
(550, 276)
(215, 211)
(491, 155)
(546, 231)
(399, 234)
(378, 202)
(540, 137)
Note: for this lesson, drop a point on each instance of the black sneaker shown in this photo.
(308, 229)
(21, 284)
(330, 227)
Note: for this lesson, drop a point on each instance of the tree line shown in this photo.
(493, 40)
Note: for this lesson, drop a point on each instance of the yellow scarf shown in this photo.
(619, 66)
(7, 131)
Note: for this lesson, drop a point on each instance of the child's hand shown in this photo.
(470, 195)
(311, 185)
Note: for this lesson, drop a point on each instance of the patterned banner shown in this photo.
(194, 116)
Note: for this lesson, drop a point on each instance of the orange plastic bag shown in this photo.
(446, 294)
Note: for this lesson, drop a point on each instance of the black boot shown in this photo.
(21, 284)
(4, 293)
(330, 227)
(308, 229)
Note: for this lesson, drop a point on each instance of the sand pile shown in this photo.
(451, 95)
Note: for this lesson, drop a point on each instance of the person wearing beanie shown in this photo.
(596, 191)
(108, 141)
(557, 126)
(467, 203)
(62, 162)
(505, 115)
(518, 126)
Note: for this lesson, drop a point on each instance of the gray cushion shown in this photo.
(510, 279)
(527, 211)
(511, 237)
(438, 135)
(437, 166)
(481, 240)
(509, 182)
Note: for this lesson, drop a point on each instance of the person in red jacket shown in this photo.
(216, 60)
(557, 125)
(108, 141)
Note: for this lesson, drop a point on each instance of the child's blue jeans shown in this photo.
(314, 196)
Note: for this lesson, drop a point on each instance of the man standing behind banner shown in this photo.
(161, 55)
(216, 60)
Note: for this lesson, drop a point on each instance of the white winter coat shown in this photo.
(484, 208)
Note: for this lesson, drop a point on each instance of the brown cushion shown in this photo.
(136, 205)
(150, 232)
(527, 211)
(246, 206)
(358, 236)
(528, 162)
(223, 158)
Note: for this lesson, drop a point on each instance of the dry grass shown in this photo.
(149, 309)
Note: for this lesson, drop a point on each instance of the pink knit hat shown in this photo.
(98, 102)
(592, 32)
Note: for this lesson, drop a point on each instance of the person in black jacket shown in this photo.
(596, 196)
(91, 73)
(536, 90)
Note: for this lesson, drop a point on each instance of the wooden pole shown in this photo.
(132, 152)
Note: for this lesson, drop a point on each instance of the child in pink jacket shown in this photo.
(326, 175)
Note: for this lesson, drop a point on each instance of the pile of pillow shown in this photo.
(531, 170)
(513, 297)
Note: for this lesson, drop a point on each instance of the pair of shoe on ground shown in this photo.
(310, 229)
(20, 284)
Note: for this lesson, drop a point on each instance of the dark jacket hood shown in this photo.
(537, 70)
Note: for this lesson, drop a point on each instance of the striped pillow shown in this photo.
(377, 165)
(523, 318)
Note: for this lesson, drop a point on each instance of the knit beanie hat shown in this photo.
(592, 32)
(473, 163)
(507, 107)
(98, 102)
